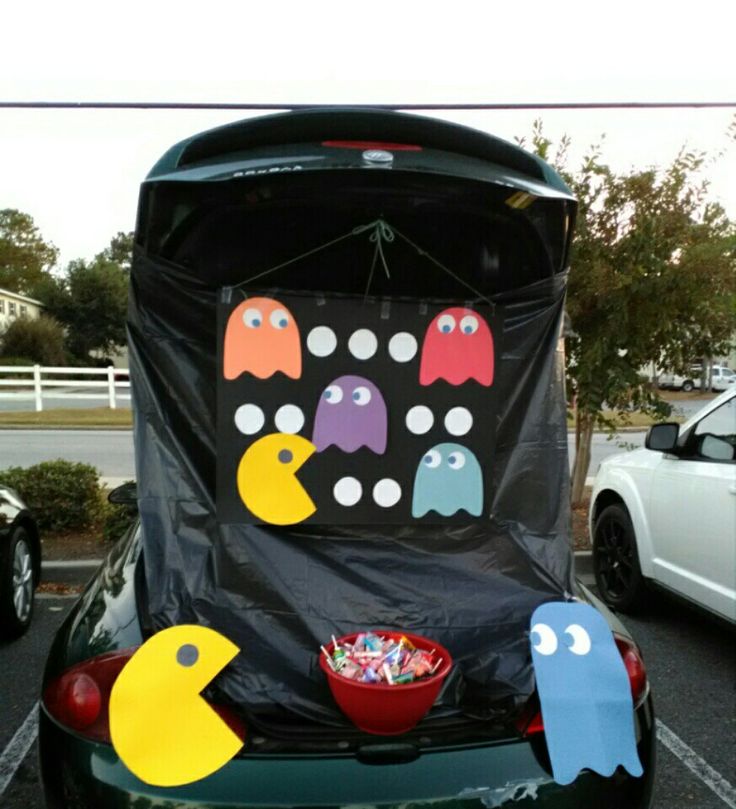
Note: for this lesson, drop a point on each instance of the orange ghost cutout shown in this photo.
(262, 337)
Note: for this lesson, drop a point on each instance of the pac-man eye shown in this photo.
(285, 456)
(333, 394)
(361, 396)
(456, 460)
(469, 324)
(279, 319)
(252, 318)
(432, 459)
(547, 643)
(580, 639)
(446, 324)
(187, 655)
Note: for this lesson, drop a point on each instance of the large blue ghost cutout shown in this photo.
(448, 479)
(584, 690)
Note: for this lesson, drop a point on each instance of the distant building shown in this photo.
(13, 305)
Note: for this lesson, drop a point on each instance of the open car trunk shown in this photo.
(225, 220)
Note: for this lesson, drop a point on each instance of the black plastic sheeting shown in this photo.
(278, 593)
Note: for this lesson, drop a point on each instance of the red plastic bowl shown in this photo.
(387, 710)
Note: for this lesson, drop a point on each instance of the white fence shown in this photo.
(31, 381)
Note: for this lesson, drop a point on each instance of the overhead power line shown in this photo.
(178, 105)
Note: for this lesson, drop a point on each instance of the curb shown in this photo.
(584, 567)
(73, 571)
(62, 427)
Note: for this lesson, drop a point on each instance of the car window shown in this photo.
(715, 435)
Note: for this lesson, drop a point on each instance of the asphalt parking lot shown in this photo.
(690, 657)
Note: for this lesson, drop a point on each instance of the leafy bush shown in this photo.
(63, 496)
(41, 339)
(17, 362)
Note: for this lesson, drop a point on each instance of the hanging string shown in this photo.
(354, 232)
(381, 232)
(297, 258)
(442, 267)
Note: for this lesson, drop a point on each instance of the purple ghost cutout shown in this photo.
(351, 414)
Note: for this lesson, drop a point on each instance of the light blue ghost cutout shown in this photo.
(448, 479)
(584, 691)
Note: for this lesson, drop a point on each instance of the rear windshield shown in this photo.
(230, 231)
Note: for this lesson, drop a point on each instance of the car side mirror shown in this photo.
(125, 495)
(663, 437)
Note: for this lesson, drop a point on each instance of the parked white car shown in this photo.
(666, 513)
(722, 378)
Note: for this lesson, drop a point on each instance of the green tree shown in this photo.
(90, 299)
(652, 280)
(40, 340)
(119, 251)
(25, 258)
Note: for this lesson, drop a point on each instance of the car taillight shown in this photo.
(631, 656)
(531, 723)
(79, 698)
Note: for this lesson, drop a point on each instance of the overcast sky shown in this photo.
(77, 172)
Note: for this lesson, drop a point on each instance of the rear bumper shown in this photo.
(78, 774)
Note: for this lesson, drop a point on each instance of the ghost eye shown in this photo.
(252, 318)
(446, 324)
(456, 460)
(469, 324)
(279, 319)
(580, 639)
(432, 459)
(547, 643)
(361, 396)
(333, 394)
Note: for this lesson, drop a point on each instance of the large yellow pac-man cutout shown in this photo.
(267, 481)
(162, 729)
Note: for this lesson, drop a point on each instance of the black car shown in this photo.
(20, 564)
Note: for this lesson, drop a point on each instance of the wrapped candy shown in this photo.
(372, 658)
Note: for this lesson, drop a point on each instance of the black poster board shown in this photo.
(342, 410)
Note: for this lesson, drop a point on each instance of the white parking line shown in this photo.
(700, 768)
(17, 748)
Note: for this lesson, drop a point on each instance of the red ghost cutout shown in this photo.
(458, 346)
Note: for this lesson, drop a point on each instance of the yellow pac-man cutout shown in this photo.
(267, 481)
(162, 729)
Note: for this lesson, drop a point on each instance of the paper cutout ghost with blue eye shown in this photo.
(448, 479)
(584, 691)
(351, 414)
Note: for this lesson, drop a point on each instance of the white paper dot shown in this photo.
(347, 491)
(387, 493)
(363, 344)
(321, 341)
(289, 419)
(458, 421)
(419, 420)
(402, 346)
(249, 419)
